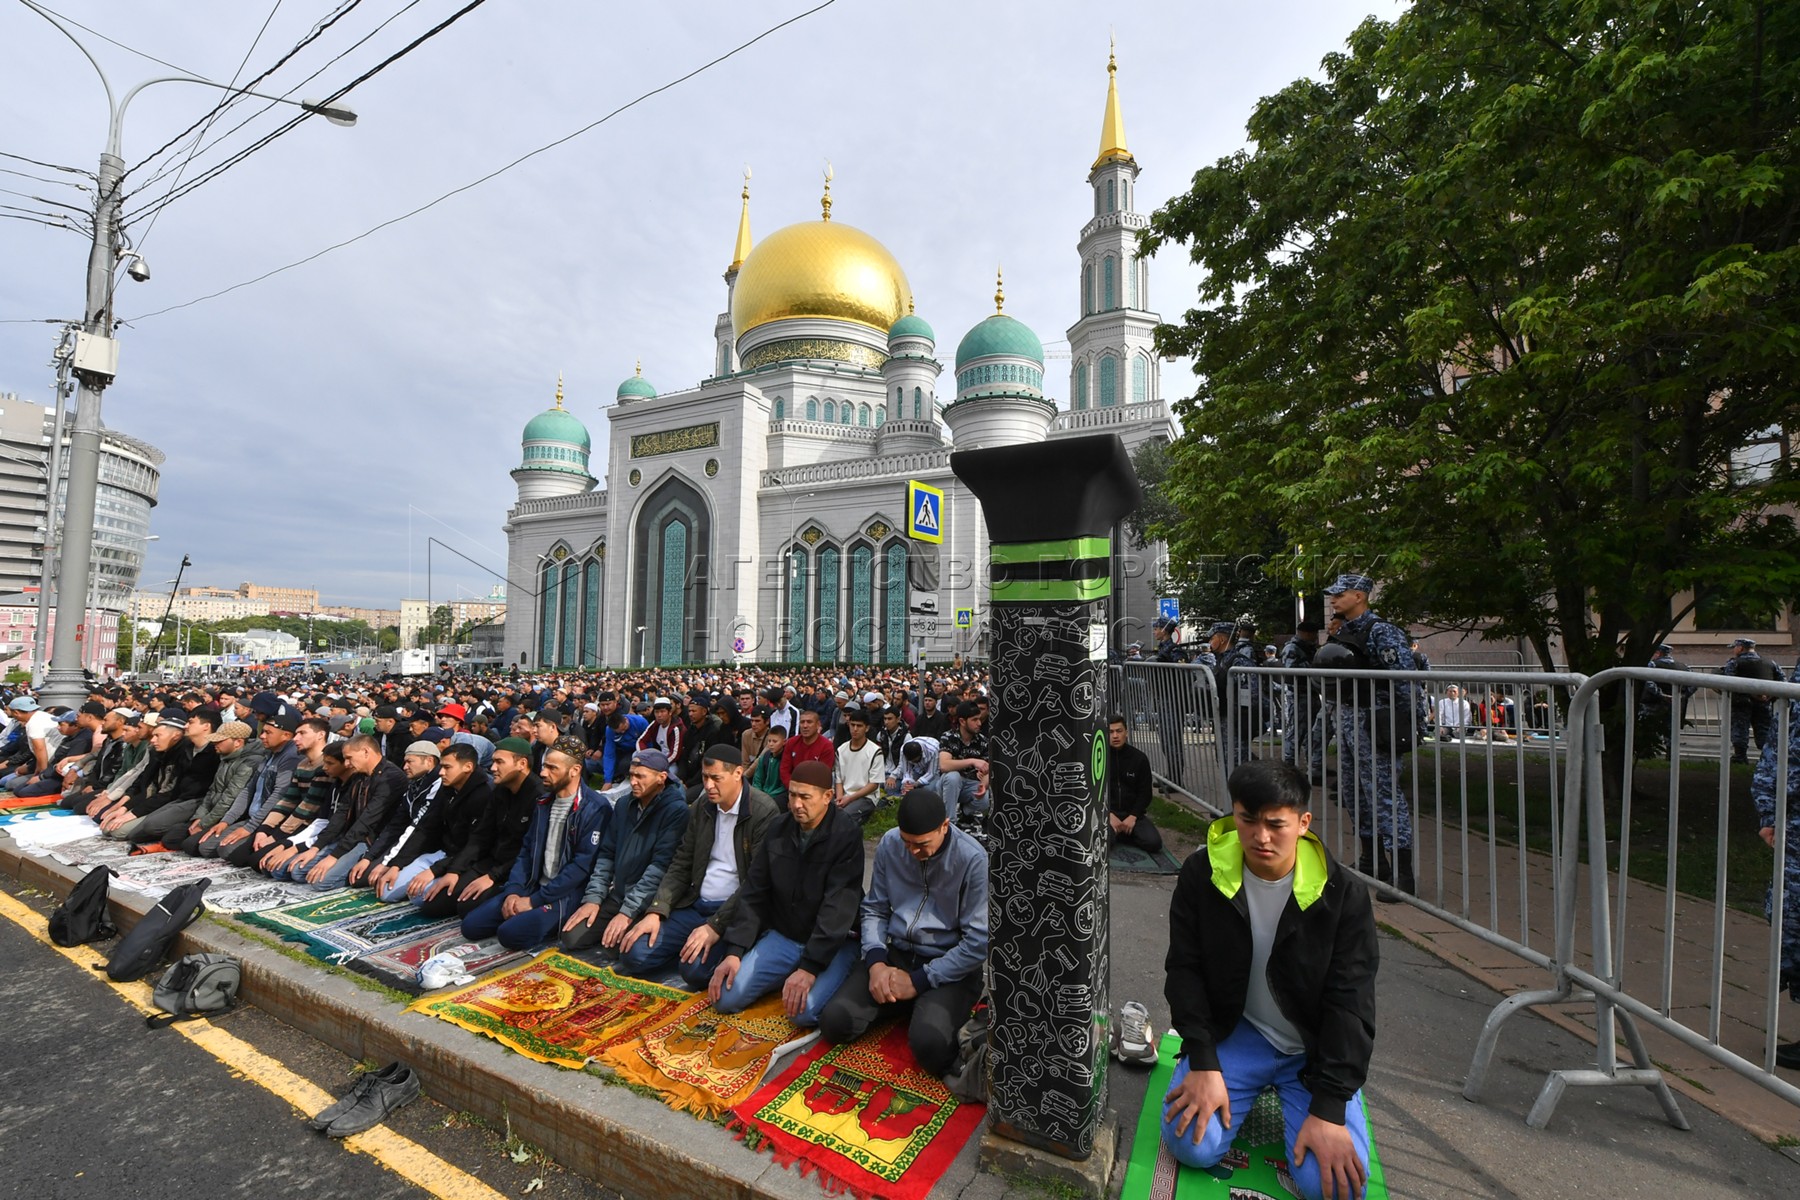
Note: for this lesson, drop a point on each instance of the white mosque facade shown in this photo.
(761, 516)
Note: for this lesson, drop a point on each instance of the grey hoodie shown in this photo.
(936, 909)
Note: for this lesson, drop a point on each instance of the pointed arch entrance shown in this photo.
(672, 553)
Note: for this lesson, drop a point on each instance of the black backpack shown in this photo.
(82, 916)
(139, 951)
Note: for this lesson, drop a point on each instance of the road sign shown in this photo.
(925, 627)
(965, 617)
(924, 512)
(737, 645)
(1169, 608)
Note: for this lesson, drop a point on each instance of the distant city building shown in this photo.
(415, 615)
(261, 645)
(130, 473)
(282, 599)
(197, 604)
(375, 618)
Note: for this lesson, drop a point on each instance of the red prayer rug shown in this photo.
(864, 1116)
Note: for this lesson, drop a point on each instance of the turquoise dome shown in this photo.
(1000, 335)
(558, 425)
(637, 388)
(911, 325)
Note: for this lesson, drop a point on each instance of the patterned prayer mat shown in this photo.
(91, 851)
(346, 941)
(160, 872)
(256, 893)
(22, 810)
(864, 1116)
(555, 1009)
(1132, 860)
(702, 1060)
(1255, 1168)
(295, 920)
(9, 801)
(397, 963)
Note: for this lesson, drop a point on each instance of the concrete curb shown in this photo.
(600, 1130)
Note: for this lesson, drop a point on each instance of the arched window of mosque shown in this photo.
(1112, 196)
(1080, 386)
(899, 400)
(1087, 288)
(918, 404)
(1143, 269)
(780, 408)
(812, 408)
(880, 416)
(1107, 289)
(845, 416)
(1096, 201)
(1140, 379)
(1109, 381)
(830, 411)
(1131, 282)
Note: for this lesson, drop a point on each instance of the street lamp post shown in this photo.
(95, 360)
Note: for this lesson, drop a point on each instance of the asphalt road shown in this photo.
(95, 1105)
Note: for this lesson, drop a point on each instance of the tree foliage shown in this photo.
(1489, 308)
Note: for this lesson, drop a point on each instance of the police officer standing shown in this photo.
(1302, 725)
(1376, 725)
(1749, 712)
(1762, 794)
(1237, 698)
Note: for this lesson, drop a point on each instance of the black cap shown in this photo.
(730, 755)
(921, 812)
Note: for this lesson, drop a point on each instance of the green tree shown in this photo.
(1490, 308)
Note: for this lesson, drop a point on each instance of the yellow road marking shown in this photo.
(404, 1157)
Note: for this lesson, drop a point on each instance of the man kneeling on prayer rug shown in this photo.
(924, 934)
(1271, 983)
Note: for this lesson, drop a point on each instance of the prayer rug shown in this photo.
(295, 920)
(10, 801)
(1255, 1168)
(160, 872)
(348, 940)
(19, 812)
(704, 1061)
(397, 963)
(255, 894)
(555, 1009)
(1135, 861)
(864, 1116)
(91, 851)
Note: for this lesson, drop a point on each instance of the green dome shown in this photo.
(558, 425)
(911, 325)
(637, 388)
(1000, 335)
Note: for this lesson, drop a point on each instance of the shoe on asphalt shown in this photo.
(1133, 1041)
(387, 1096)
(1788, 1056)
(358, 1090)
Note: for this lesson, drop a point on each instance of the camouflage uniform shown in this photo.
(1762, 793)
(1305, 727)
(1373, 791)
(1747, 712)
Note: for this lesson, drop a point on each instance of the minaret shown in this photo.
(725, 357)
(1112, 346)
(554, 458)
(999, 383)
(910, 378)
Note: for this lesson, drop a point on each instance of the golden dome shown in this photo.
(819, 269)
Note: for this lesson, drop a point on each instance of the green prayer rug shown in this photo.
(294, 921)
(1255, 1168)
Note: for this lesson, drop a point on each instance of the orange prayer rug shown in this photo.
(864, 1116)
(702, 1060)
(555, 1009)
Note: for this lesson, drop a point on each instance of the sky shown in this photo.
(322, 424)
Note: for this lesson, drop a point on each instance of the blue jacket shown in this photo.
(582, 835)
(619, 746)
(936, 910)
(636, 852)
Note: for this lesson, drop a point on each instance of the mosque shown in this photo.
(762, 516)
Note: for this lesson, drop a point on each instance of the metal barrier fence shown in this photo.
(1463, 792)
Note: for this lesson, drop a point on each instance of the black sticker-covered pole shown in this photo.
(1050, 510)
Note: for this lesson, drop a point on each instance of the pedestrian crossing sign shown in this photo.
(924, 512)
(965, 617)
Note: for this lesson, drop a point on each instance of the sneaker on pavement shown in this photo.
(1788, 1056)
(359, 1089)
(1133, 1041)
(387, 1096)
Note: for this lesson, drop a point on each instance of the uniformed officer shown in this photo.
(1303, 721)
(1749, 712)
(1656, 706)
(1762, 793)
(1376, 726)
(1237, 698)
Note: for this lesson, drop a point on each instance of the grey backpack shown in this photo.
(196, 985)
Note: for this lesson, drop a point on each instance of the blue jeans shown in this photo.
(395, 892)
(644, 960)
(334, 879)
(1250, 1064)
(527, 931)
(766, 968)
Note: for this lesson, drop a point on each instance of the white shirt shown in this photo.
(859, 768)
(786, 717)
(720, 882)
(1266, 901)
(40, 726)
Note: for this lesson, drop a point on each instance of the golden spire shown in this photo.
(999, 291)
(640, 368)
(559, 389)
(825, 204)
(1112, 125)
(742, 251)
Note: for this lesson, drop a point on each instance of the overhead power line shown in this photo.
(498, 171)
(47, 166)
(44, 8)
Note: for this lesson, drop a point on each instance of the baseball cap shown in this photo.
(656, 760)
(284, 718)
(1350, 583)
(23, 704)
(172, 718)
